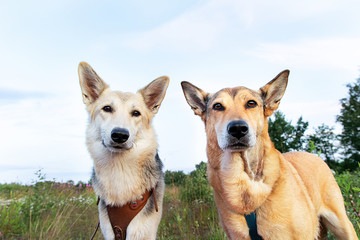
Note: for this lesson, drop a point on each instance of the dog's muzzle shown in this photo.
(238, 129)
(238, 136)
(118, 141)
(120, 135)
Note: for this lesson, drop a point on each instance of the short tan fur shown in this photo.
(295, 195)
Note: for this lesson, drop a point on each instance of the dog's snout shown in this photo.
(238, 129)
(120, 135)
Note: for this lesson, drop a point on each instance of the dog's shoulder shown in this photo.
(314, 172)
(305, 160)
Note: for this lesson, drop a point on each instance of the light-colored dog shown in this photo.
(294, 195)
(123, 146)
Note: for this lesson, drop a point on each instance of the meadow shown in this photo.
(53, 210)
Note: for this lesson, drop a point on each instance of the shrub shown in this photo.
(350, 187)
(196, 187)
(176, 178)
(11, 223)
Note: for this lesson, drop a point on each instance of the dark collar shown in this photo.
(251, 222)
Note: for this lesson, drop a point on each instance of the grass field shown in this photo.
(51, 210)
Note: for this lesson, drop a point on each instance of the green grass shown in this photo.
(350, 187)
(46, 210)
(188, 219)
(51, 210)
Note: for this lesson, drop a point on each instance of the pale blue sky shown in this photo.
(213, 44)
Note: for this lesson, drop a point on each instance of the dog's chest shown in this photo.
(120, 183)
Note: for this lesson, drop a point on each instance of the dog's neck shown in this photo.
(256, 157)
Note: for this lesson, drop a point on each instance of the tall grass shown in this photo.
(188, 220)
(350, 187)
(51, 210)
(189, 208)
(47, 210)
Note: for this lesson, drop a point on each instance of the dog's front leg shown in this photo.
(105, 224)
(233, 224)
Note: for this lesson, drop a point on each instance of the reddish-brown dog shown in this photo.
(294, 195)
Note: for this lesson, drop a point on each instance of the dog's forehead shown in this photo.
(234, 93)
(118, 97)
(124, 96)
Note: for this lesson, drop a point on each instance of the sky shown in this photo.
(210, 43)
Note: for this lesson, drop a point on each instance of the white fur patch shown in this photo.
(329, 216)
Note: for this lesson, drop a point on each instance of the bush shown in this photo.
(11, 222)
(350, 187)
(176, 178)
(196, 186)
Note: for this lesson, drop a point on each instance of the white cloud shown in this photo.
(312, 111)
(45, 133)
(195, 29)
(340, 53)
(261, 11)
(205, 26)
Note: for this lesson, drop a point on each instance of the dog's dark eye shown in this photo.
(218, 107)
(135, 113)
(107, 109)
(251, 104)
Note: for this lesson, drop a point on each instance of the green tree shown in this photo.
(350, 119)
(196, 187)
(325, 142)
(298, 137)
(175, 177)
(284, 135)
(279, 131)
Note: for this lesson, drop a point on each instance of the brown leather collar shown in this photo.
(120, 217)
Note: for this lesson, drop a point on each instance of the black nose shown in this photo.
(120, 135)
(238, 129)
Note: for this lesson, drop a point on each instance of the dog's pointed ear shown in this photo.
(273, 92)
(91, 84)
(195, 97)
(154, 93)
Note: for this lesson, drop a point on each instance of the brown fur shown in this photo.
(290, 192)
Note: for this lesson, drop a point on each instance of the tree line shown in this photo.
(340, 151)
